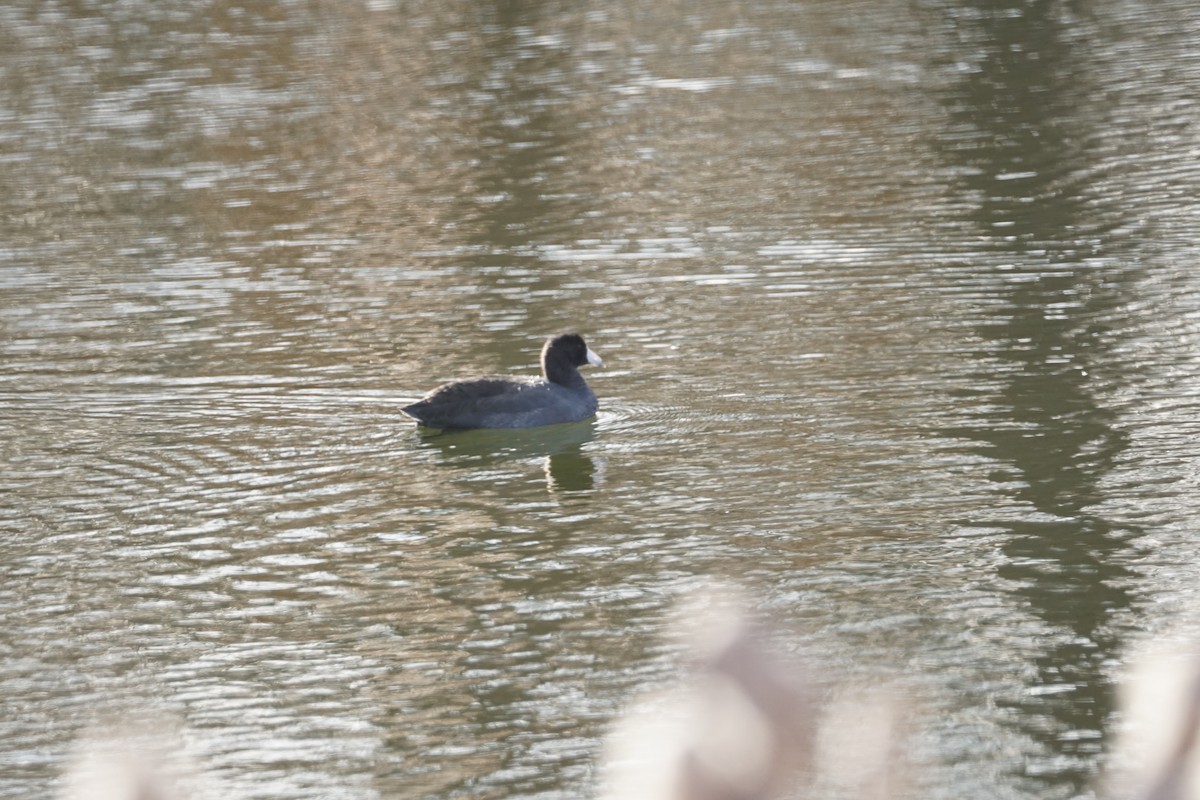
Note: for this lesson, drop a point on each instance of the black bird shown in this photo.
(560, 395)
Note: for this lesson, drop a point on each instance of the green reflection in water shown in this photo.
(1018, 130)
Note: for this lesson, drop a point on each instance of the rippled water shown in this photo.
(900, 318)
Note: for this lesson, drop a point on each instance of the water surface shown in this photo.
(899, 320)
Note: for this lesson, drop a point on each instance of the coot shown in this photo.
(560, 395)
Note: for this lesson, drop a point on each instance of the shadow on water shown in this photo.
(1018, 132)
(567, 466)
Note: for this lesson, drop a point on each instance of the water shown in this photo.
(900, 322)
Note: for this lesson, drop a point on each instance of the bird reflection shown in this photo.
(567, 467)
(573, 471)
